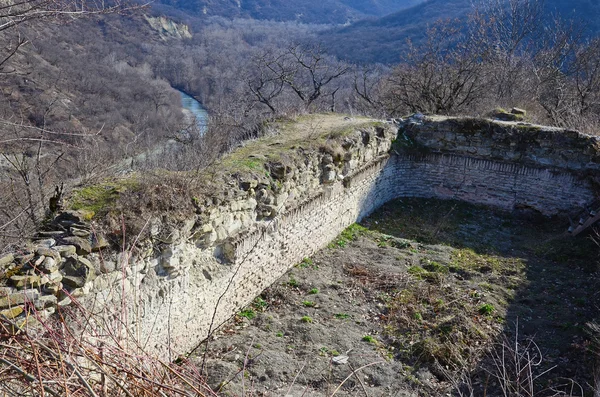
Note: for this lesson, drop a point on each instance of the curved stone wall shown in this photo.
(226, 255)
(510, 186)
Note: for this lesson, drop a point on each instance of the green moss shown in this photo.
(417, 271)
(351, 233)
(100, 198)
(11, 272)
(486, 309)
(369, 338)
(435, 267)
(345, 131)
(528, 128)
(247, 313)
(307, 262)
(307, 132)
(468, 259)
(249, 163)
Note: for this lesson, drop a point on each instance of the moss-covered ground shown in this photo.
(291, 137)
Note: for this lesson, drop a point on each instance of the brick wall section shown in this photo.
(494, 183)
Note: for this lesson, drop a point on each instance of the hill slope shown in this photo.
(306, 11)
(384, 39)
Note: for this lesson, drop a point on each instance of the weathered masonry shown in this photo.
(233, 248)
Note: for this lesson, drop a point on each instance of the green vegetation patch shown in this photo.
(306, 319)
(349, 234)
(100, 198)
(292, 137)
(467, 259)
(247, 313)
(369, 339)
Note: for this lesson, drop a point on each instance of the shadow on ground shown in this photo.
(533, 285)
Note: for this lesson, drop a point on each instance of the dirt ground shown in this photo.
(419, 300)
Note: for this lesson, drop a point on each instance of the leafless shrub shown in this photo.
(503, 55)
(78, 353)
(510, 368)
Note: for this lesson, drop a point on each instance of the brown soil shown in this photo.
(421, 292)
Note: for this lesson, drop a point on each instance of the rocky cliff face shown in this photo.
(167, 28)
(282, 199)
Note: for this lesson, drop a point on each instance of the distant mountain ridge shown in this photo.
(383, 39)
(305, 11)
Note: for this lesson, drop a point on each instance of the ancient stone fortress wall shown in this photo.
(501, 164)
(227, 253)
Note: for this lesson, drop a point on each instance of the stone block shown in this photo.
(23, 282)
(24, 258)
(66, 301)
(99, 242)
(46, 243)
(53, 287)
(19, 298)
(78, 271)
(66, 250)
(82, 246)
(107, 266)
(83, 233)
(45, 301)
(72, 217)
(12, 313)
(73, 281)
(6, 260)
(48, 265)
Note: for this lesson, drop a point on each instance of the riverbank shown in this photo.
(195, 113)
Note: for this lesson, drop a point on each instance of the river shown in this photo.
(194, 110)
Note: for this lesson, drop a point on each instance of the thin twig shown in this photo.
(352, 374)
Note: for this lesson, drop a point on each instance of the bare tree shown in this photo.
(267, 77)
(570, 89)
(444, 76)
(15, 13)
(313, 72)
(29, 150)
(307, 72)
(367, 85)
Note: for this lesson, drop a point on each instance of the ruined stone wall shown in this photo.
(258, 258)
(509, 186)
(519, 143)
(168, 286)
